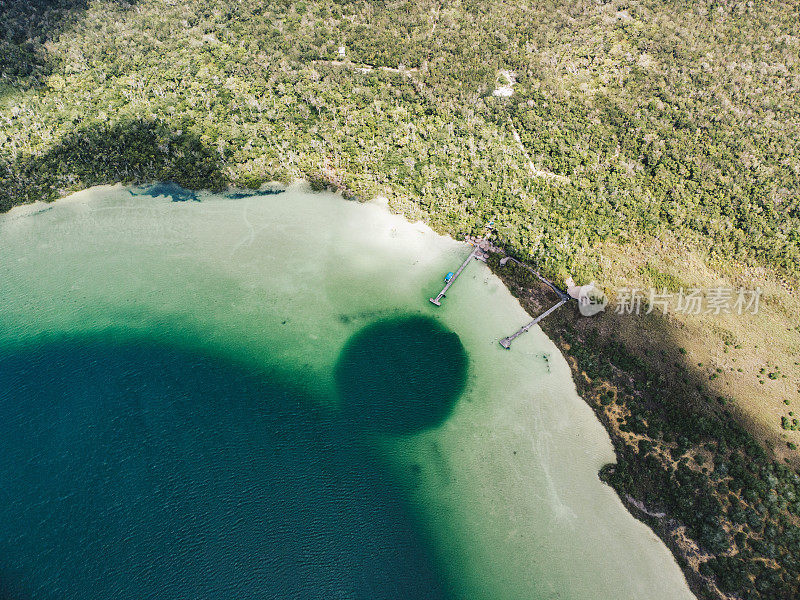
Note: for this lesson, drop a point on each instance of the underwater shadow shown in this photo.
(10, 589)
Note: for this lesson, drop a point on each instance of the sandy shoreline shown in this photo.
(511, 418)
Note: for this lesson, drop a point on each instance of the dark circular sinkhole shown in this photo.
(401, 375)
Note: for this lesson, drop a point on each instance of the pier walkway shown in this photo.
(438, 300)
(562, 295)
(506, 341)
(479, 253)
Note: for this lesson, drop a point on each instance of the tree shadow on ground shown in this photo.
(132, 151)
(25, 27)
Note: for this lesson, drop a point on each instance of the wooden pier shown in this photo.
(562, 295)
(506, 341)
(481, 252)
(438, 300)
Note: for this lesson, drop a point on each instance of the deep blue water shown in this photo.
(140, 470)
(401, 375)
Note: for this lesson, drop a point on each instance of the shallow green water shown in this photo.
(252, 397)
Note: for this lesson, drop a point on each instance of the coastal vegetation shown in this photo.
(686, 465)
(655, 116)
(642, 143)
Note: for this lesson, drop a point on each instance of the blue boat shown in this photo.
(448, 277)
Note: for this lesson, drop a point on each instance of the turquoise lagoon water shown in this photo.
(251, 397)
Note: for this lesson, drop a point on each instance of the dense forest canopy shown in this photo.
(654, 115)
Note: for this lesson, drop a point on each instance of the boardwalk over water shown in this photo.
(562, 295)
(506, 341)
(438, 300)
(478, 252)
